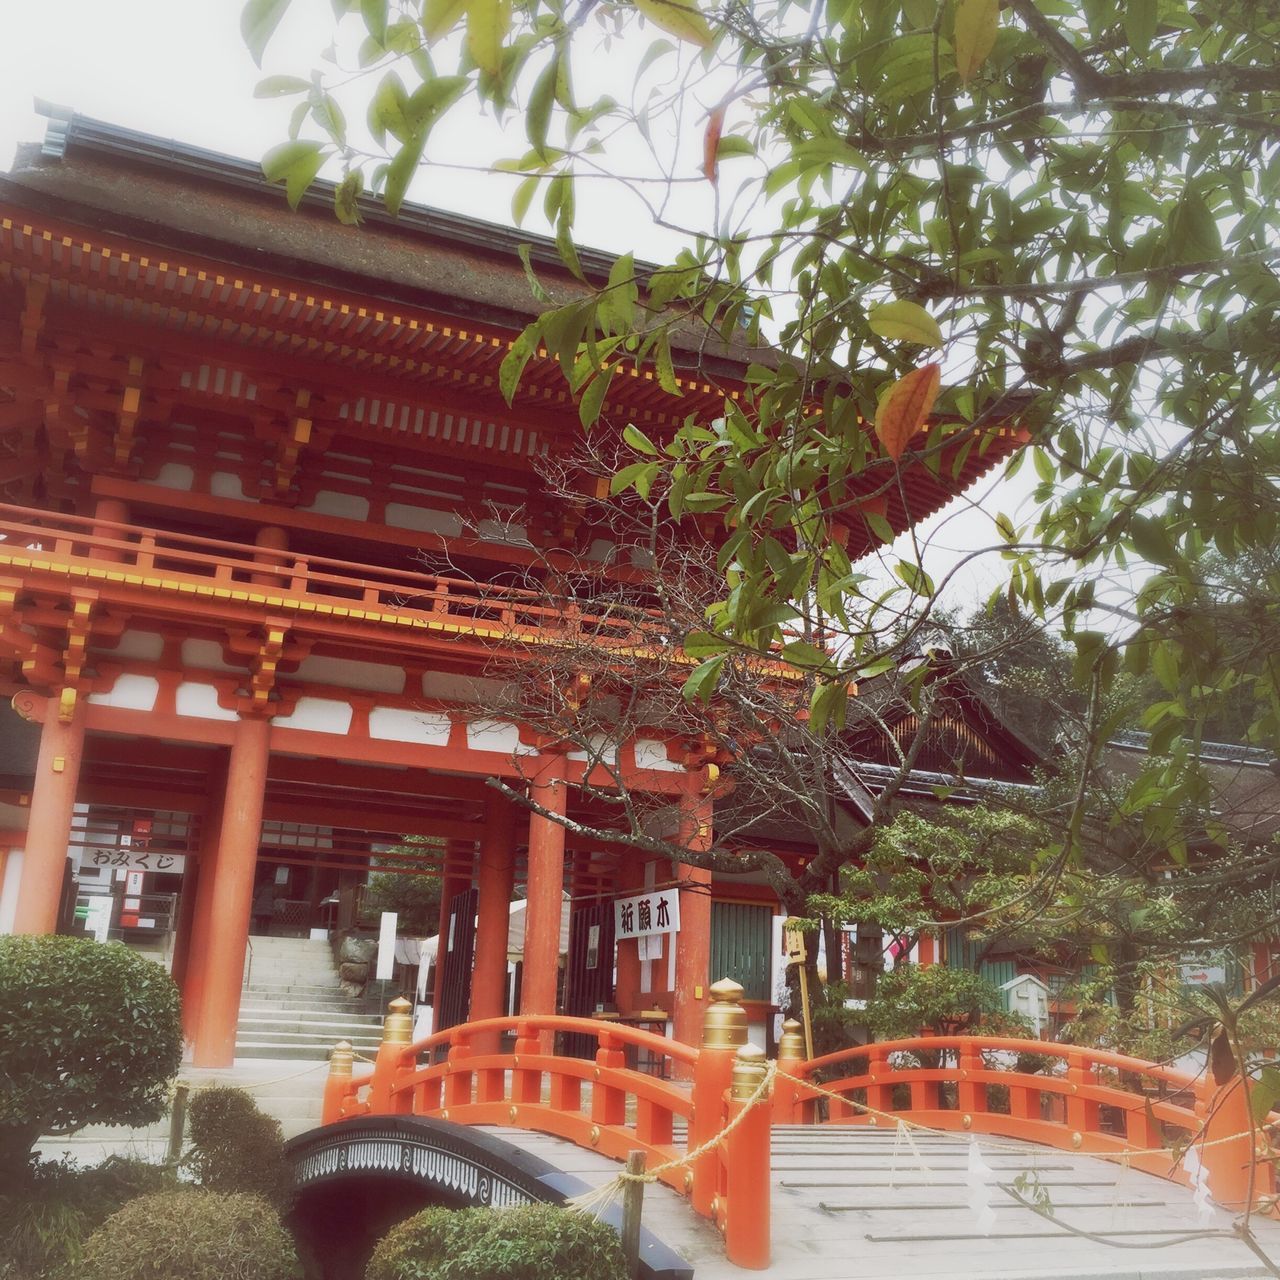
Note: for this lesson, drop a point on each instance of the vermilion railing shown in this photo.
(1065, 1096)
(720, 1161)
(43, 539)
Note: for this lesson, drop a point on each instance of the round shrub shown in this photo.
(93, 1032)
(529, 1243)
(46, 1220)
(234, 1147)
(191, 1235)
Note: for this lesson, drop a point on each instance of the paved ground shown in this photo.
(854, 1203)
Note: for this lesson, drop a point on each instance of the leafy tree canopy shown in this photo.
(952, 217)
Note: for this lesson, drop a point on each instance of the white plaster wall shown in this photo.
(602, 749)
(464, 689)
(318, 715)
(497, 735)
(375, 676)
(9, 890)
(424, 519)
(652, 754)
(201, 701)
(206, 654)
(147, 646)
(399, 724)
(226, 484)
(176, 475)
(348, 506)
(130, 692)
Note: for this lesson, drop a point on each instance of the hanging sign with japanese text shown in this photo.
(134, 860)
(647, 914)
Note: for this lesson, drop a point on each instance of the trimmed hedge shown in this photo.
(191, 1235)
(533, 1242)
(234, 1147)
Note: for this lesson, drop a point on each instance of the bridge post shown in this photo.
(397, 1031)
(744, 1165)
(337, 1082)
(724, 1031)
(1230, 1164)
(457, 1081)
(788, 1097)
(971, 1096)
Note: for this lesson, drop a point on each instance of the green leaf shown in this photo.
(1264, 1094)
(702, 683)
(1140, 22)
(637, 439)
(346, 198)
(513, 363)
(281, 87)
(439, 17)
(387, 110)
(538, 117)
(702, 644)
(638, 476)
(400, 173)
(295, 164)
(680, 18)
(593, 397)
(258, 22)
(619, 297)
(904, 321)
(488, 22)
(374, 13)
(977, 25)
(523, 198)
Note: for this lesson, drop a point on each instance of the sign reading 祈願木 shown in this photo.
(647, 914)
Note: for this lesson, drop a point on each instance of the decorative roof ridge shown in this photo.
(1221, 752)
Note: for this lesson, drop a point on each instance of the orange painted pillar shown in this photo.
(693, 942)
(270, 538)
(545, 888)
(196, 970)
(232, 894)
(626, 987)
(495, 880)
(53, 799)
(110, 511)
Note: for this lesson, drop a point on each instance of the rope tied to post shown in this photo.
(598, 1199)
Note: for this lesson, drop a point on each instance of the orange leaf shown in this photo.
(711, 145)
(904, 408)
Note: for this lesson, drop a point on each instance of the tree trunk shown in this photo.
(16, 1141)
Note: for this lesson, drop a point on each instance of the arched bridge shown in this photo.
(957, 1156)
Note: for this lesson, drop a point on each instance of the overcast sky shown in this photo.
(178, 68)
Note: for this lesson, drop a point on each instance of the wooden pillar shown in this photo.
(545, 888)
(232, 893)
(626, 987)
(192, 979)
(271, 538)
(693, 942)
(110, 511)
(53, 799)
(453, 882)
(495, 879)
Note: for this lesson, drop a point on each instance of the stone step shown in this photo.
(290, 1051)
(360, 1037)
(337, 1008)
(329, 1032)
(280, 990)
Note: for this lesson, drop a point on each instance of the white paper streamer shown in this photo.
(978, 1181)
(1199, 1176)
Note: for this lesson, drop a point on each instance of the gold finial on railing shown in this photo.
(341, 1058)
(749, 1069)
(724, 1025)
(397, 1026)
(791, 1042)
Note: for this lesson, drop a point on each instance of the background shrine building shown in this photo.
(227, 433)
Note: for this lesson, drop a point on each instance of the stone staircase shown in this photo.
(293, 1007)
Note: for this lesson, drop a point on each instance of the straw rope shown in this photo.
(599, 1198)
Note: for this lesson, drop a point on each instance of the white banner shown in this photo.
(386, 946)
(646, 914)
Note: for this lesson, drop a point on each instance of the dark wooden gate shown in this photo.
(457, 952)
(588, 979)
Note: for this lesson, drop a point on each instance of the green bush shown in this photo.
(191, 1235)
(92, 1032)
(535, 1242)
(234, 1147)
(46, 1221)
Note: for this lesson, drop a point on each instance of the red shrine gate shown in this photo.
(221, 451)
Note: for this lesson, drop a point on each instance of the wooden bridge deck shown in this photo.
(855, 1202)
